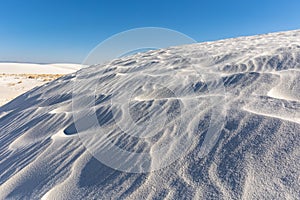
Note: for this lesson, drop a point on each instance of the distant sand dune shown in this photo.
(17, 78)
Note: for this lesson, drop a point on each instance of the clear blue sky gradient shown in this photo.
(65, 31)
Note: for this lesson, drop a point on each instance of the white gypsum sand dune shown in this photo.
(256, 155)
(18, 78)
(32, 68)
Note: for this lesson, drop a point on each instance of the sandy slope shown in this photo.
(18, 78)
(256, 156)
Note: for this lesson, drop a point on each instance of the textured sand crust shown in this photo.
(256, 156)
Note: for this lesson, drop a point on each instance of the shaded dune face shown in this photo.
(256, 155)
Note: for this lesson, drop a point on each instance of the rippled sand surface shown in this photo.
(250, 82)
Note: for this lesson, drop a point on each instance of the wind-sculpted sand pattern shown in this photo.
(256, 155)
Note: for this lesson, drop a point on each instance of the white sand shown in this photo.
(30, 68)
(14, 79)
(255, 154)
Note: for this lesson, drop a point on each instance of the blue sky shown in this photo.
(66, 31)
